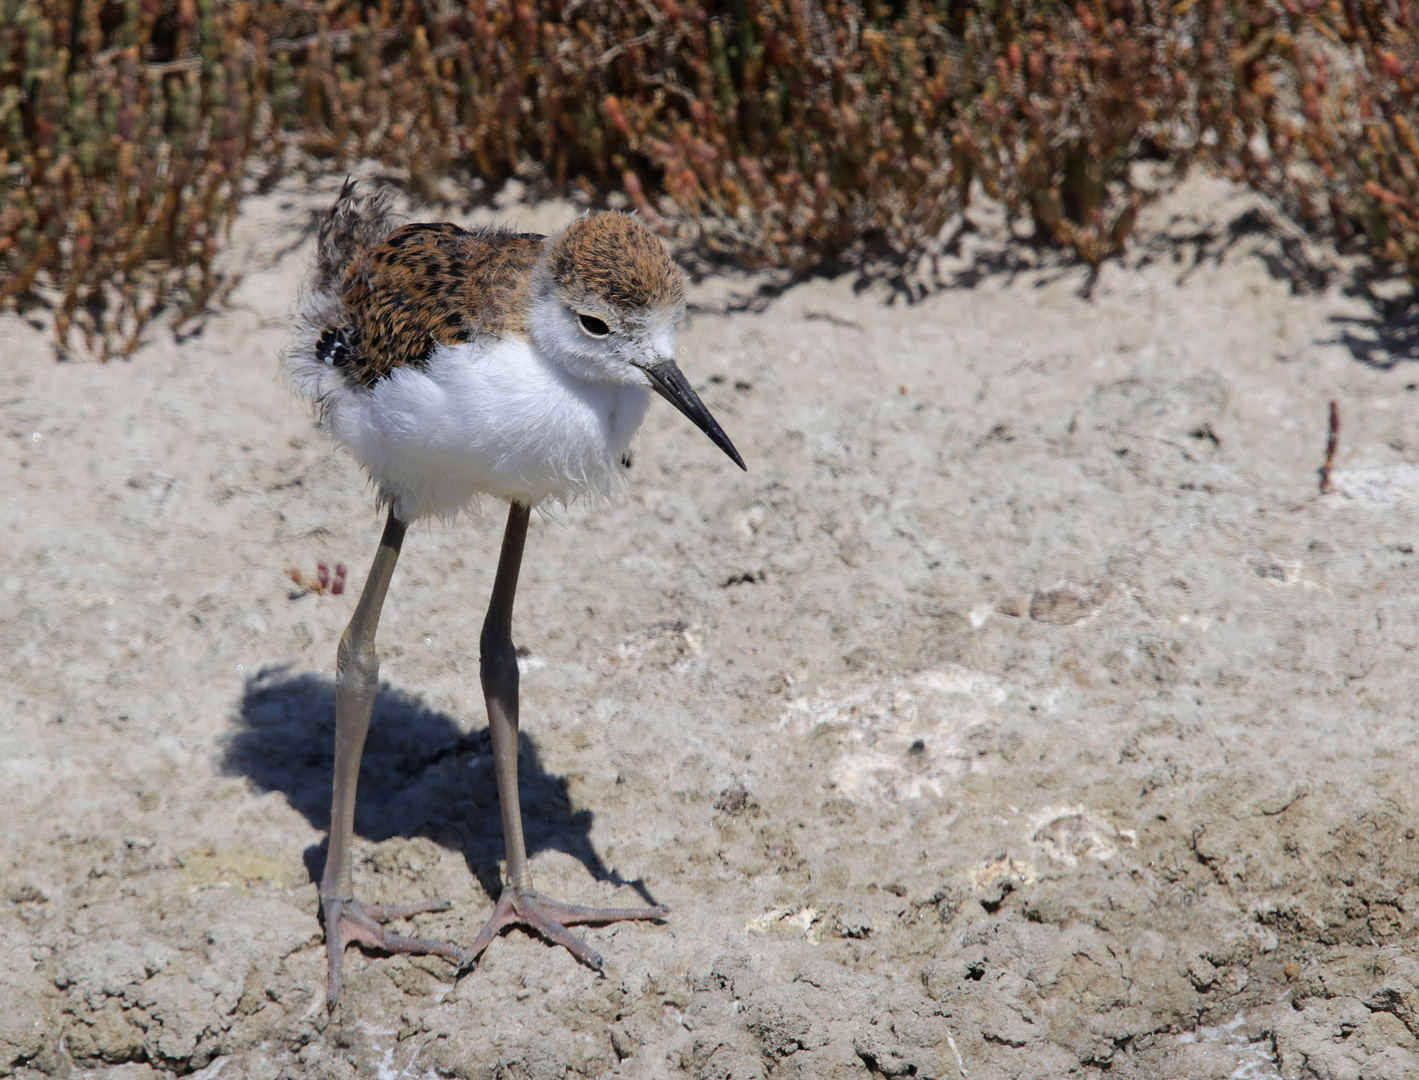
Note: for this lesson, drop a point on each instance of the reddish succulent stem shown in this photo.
(1332, 444)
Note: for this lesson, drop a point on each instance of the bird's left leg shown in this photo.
(356, 680)
(520, 903)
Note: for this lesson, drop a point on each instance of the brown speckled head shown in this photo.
(615, 259)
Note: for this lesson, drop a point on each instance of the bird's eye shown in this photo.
(593, 326)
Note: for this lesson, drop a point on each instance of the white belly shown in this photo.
(483, 419)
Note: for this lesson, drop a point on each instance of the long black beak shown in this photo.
(670, 383)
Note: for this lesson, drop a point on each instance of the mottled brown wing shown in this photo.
(431, 284)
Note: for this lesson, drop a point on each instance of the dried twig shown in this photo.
(1332, 444)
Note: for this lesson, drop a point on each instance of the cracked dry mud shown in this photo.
(1023, 712)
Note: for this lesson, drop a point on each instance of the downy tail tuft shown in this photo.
(356, 223)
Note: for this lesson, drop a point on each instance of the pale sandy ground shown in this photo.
(1023, 712)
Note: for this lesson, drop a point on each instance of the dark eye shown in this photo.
(593, 326)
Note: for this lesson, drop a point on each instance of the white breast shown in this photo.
(486, 419)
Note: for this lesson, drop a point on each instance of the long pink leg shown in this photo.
(356, 680)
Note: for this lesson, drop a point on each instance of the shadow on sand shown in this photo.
(420, 776)
(1388, 335)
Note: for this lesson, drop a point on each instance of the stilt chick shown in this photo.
(455, 364)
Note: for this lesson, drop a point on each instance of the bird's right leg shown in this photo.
(356, 680)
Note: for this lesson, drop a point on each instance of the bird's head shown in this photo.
(607, 299)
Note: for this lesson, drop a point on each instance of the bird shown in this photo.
(455, 364)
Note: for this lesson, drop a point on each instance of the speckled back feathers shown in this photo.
(435, 284)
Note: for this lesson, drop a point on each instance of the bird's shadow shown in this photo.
(420, 776)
